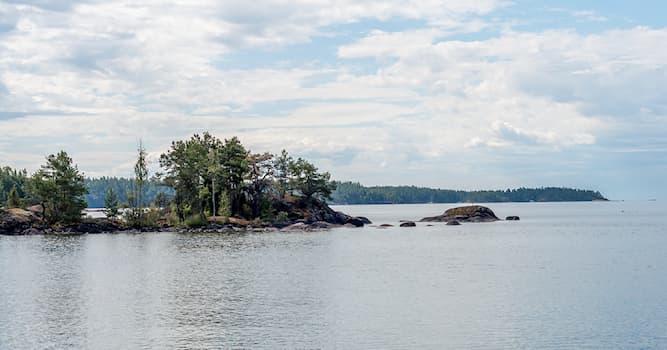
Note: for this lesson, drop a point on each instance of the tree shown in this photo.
(309, 182)
(135, 215)
(194, 169)
(12, 178)
(214, 171)
(161, 200)
(234, 165)
(13, 200)
(260, 171)
(58, 186)
(141, 174)
(111, 204)
(283, 165)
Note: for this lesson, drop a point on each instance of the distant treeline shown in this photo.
(12, 184)
(122, 187)
(355, 193)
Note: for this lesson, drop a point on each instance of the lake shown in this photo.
(567, 276)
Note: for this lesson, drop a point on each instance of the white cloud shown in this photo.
(94, 76)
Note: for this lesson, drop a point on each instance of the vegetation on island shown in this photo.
(202, 179)
(206, 180)
(355, 193)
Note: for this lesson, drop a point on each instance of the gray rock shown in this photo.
(453, 223)
(470, 213)
(512, 218)
(408, 224)
(355, 221)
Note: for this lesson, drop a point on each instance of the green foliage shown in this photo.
(223, 178)
(151, 217)
(12, 178)
(162, 200)
(355, 193)
(189, 170)
(234, 166)
(111, 204)
(141, 176)
(282, 217)
(283, 165)
(309, 182)
(260, 170)
(203, 169)
(195, 220)
(13, 200)
(59, 187)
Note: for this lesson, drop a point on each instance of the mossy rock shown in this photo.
(470, 213)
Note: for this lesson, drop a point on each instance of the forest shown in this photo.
(355, 193)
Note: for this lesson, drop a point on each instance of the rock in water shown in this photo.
(453, 223)
(355, 221)
(470, 213)
(512, 218)
(408, 224)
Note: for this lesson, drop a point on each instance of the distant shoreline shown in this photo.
(350, 193)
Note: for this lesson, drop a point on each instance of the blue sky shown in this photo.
(452, 94)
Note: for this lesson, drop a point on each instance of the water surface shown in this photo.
(567, 276)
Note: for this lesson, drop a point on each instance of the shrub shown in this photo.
(282, 217)
(194, 221)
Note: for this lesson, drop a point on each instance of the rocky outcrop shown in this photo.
(311, 211)
(470, 213)
(17, 221)
(300, 215)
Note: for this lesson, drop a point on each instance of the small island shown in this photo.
(209, 185)
(470, 213)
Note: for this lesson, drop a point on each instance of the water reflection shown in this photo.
(544, 282)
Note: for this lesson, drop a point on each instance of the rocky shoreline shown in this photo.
(316, 216)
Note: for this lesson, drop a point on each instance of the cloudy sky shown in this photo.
(455, 94)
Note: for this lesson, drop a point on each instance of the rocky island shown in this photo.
(213, 185)
(470, 213)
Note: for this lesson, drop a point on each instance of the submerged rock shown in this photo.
(470, 213)
(452, 223)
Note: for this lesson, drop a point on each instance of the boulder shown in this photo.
(313, 210)
(365, 220)
(16, 221)
(408, 224)
(356, 222)
(512, 218)
(470, 213)
(452, 223)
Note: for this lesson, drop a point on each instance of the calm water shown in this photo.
(568, 276)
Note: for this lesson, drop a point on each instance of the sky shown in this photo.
(457, 94)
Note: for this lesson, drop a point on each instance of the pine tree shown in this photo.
(59, 188)
(13, 200)
(141, 175)
(111, 204)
